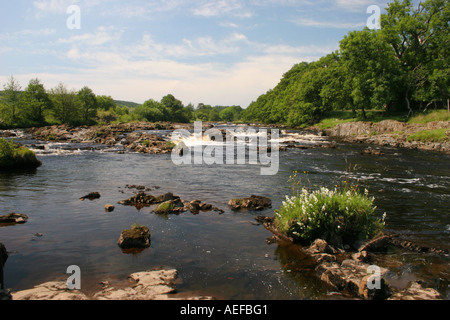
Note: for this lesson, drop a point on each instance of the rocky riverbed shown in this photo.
(354, 272)
(133, 137)
(136, 138)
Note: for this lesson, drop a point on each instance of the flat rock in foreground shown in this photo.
(148, 285)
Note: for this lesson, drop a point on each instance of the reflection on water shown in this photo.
(221, 255)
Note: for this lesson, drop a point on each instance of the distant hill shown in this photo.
(128, 104)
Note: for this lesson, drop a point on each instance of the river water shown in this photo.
(222, 255)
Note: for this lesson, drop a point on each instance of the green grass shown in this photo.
(335, 118)
(340, 216)
(436, 135)
(438, 115)
(170, 145)
(146, 143)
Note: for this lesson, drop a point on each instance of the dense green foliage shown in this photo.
(35, 106)
(13, 156)
(402, 67)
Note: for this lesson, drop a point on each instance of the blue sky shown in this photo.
(220, 52)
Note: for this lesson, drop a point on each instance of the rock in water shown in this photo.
(109, 208)
(252, 203)
(91, 196)
(136, 237)
(13, 218)
(169, 207)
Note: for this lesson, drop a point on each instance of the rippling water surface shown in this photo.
(224, 255)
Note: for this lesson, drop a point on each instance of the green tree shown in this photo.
(214, 115)
(337, 84)
(152, 111)
(175, 108)
(231, 114)
(66, 106)
(370, 62)
(202, 112)
(88, 104)
(11, 101)
(420, 40)
(106, 103)
(36, 102)
(188, 112)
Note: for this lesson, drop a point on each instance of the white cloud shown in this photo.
(221, 7)
(309, 22)
(101, 37)
(27, 33)
(359, 5)
(227, 24)
(45, 7)
(314, 52)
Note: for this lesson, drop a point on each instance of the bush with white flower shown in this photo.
(339, 216)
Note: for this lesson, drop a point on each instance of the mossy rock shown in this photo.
(136, 237)
(170, 207)
(17, 157)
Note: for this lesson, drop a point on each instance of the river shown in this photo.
(222, 255)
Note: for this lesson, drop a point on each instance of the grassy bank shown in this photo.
(13, 156)
(437, 135)
(338, 117)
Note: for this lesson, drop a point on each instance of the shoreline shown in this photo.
(388, 133)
